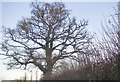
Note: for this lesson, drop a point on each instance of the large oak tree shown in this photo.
(47, 36)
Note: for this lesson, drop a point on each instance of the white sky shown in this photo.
(13, 10)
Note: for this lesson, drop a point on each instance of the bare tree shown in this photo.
(49, 35)
(109, 47)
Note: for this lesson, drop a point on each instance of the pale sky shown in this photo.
(93, 11)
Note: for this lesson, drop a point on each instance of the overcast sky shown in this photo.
(95, 12)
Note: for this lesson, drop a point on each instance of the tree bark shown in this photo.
(49, 62)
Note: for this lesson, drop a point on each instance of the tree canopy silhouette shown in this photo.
(47, 36)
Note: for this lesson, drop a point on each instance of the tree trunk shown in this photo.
(49, 66)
